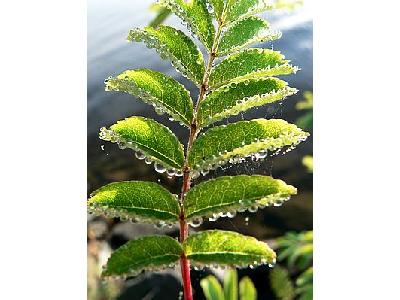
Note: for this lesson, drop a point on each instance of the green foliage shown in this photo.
(247, 290)
(239, 82)
(231, 285)
(150, 252)
(164, 92)
(211, 288)
(155, 140)
(244, 33)
(235, 193)
(195, 14)
(236, 98)
(297, 250)
(233, 142)
(250, 64)
(227, 248)
(281, 284)
(173, 44)
(308, 163)
(135, 200)
(306, 120)
(162, 14)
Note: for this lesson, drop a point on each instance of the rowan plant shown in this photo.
(231, 78)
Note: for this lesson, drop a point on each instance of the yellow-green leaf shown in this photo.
(234, 142)
(163, 92)
(247, 290)
(237, 9)
(244, 33)
(215, 197)
(173, 44)
(138, 201)
(212, 288)
(154, 141)
(235, 98)
(231, 285)
(195, 14)
(227, 248)
(150, 252)
(250, 64)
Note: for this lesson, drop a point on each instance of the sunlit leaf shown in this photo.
(164, 92)
(244, 33)
(233, 193)
(227, 248)
(195, 14)
(231, 285)
(248, 64)
(218, 7)
(237, 9)
(135, 200)
(156, 141)
(173, 44)
(281, 284)
(236, 141)
(233, 99)
(162, 14)
(146, 253)
(247, 290)
(212, 288)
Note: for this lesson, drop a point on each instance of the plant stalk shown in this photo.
(194, 130)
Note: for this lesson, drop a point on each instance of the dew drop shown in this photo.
(246, 221)
(196, 222)
(147, 161)
(231, 214)
(253, 208)
(140, 155)
(171, 172)
(159, 168)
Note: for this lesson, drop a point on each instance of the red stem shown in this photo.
(184, 230)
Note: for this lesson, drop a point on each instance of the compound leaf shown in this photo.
(244, 33)
(150, 252)
(165, 93)
(232, 193)
(157, 142)
(248, 64)
(231, 285)
(236, 141)
(195, 14)
(232, 99)
(212, 288)
(135, 200)
(247, 290)
(173, 44)
(227, 248)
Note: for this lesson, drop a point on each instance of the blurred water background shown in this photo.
(109, 54)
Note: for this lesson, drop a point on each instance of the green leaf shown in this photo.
(212, 288)
(150, 252)
(247, 290)
(234, 142)
(135, 200)
(250, 64)
(281, 284)
(238, 9)
(244, 33)
(157, 142)
(173, 44)
(231, 285)
(235, 193)
(195, 14)
(227, 248)
(164, 92)
(218, 8)
(162, 14)
(233, 99)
